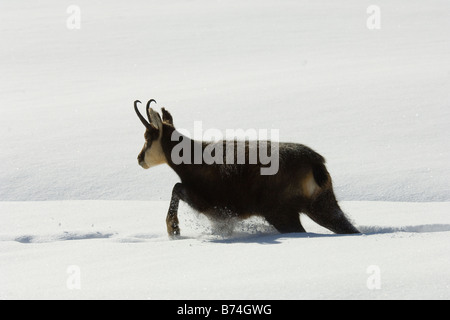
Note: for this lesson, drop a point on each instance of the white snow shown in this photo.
(375, 103)
(122, 252)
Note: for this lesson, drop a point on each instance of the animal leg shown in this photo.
(326, 212)
(286, 221)
(178, 193)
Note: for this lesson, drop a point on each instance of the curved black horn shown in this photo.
(148, 108)
(144, 122)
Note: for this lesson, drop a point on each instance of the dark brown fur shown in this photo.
(227, 191)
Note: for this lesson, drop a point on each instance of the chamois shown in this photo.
(224, 191)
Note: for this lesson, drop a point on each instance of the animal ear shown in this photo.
(155, 119)
(167, 117)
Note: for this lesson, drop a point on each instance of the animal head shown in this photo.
(152, 153)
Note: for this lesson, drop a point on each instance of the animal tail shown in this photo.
(321, 175)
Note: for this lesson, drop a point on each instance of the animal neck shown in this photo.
(184, 155)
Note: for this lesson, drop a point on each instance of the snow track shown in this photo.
(122, 251)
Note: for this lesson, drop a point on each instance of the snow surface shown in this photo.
(122, 252)
(375, 103)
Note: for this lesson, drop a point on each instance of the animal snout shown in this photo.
(142, 162)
